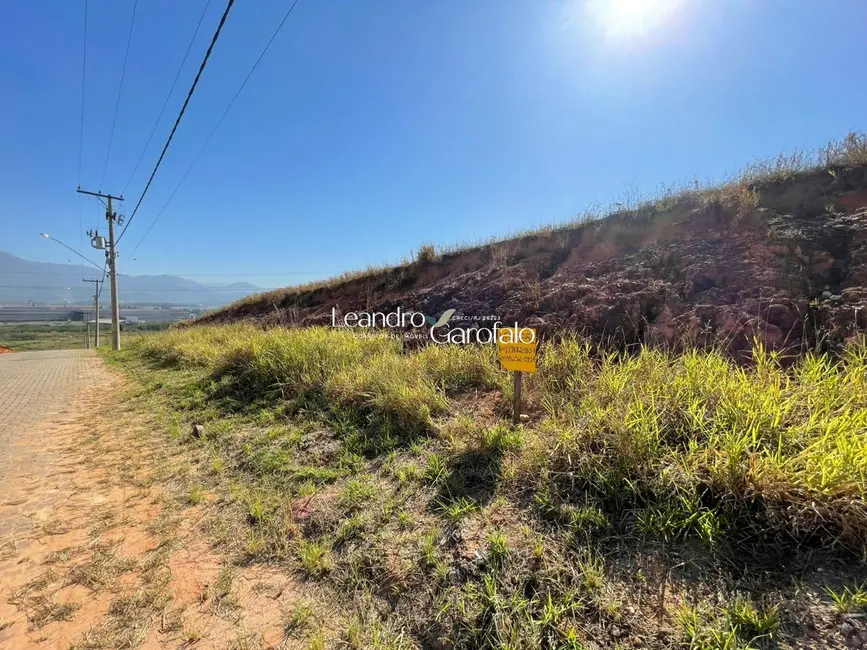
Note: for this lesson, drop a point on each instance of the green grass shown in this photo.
(24, 337)
(849, 599)
(352, 460)
(700, 445)
(43, 336)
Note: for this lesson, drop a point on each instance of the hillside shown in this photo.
(666, 499)
(780, 254)
(25, 280)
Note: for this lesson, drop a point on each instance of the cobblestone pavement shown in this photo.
(84, 532)
(37, 390)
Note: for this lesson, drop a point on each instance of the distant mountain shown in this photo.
(44, 282)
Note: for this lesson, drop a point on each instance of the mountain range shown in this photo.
(22, 281)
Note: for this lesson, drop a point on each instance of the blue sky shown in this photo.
(373, 127)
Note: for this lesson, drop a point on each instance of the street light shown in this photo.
(47, 236)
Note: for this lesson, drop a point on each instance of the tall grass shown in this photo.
(686, 444)
(363, 377)
(697, 444)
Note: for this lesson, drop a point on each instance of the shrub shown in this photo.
(426, 254)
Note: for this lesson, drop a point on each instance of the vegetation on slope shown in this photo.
(652, 500)
(621, 219)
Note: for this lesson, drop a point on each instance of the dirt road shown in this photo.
(92, 552)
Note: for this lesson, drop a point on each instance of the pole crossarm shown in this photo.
(100, 195)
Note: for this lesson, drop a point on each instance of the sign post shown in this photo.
(517, 349)
(516, 402)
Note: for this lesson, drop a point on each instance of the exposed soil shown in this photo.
(112, 560)
(790, 272)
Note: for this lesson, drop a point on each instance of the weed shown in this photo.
(436, 469)
(351, 528)
(404, 519)
(315, 557)
(357, 491)
(458, 509)
(751, 621)
(297, 619)
(195, 496)
(499, 545)
(317, 641)
(429, 547)
(501, 438)
(592, 568)
(408, 473)
(191, 635)
(426, 254)
(849, 599)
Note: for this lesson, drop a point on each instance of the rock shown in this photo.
(618, 632)
(826, 295)
(852, 294)
(847, 629)
(523, 418)
(198, 431)
(782, 316)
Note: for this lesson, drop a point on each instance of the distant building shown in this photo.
(19, 314)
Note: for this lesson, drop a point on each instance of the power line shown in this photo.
(217, 126)
(119, 92)
(168, 96)
(83, 79)
(180, 115)
(102, 281)
(81, 131)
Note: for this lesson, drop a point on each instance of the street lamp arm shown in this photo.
(47, 236)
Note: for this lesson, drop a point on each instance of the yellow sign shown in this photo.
(517, 348)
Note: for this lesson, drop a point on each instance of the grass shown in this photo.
(849, 599)
(739, 626)
(103, 568)
(353, 462)
(49, 611)
(42, 336)
(24, 337)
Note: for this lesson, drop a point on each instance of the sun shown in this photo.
(630, 19)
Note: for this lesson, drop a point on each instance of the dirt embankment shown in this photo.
(787, 266)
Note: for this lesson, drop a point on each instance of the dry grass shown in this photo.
(739, 192)
(104, 567)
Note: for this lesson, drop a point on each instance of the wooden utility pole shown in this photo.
(516, 398)
(111, 256)
(95, 310)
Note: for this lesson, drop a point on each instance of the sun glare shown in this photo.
(630, 19)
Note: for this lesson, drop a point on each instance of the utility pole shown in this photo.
(95, 309)
(111, 256)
